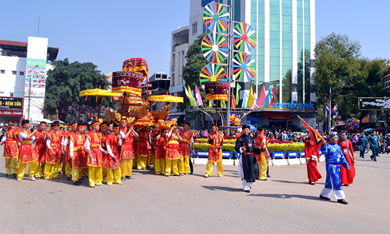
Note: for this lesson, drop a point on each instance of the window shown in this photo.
(21, 73)
(2, 71)
(13, 72)
(11, 94)
(194, 28)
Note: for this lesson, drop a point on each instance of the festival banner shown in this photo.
(36, 77)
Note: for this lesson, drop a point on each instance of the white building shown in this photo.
(22, 64)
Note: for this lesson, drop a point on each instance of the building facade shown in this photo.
(23, 69)
(284, 56)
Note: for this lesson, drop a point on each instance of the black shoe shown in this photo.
(77, 183)
(92, 186)
(247, 191)
(123, 178)
(68, 178)
(13, 176)
(342, 201)
(362, 157)
(325, 198)
(7, 176)
(268, 176)
(129, 178)
(191, 173)
(312, 183)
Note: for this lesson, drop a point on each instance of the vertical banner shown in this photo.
(36, 76)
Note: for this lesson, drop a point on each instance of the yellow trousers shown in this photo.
(171, 164)
(38, 171)
(11, 166)
(210, 166)
(126, 167)
(95, 175)
(159, 166)
(184, 165)
(136, 162)
(59, 167)
(32, 166)
(68, 170)
(51, 171)
(263, 167)
(77, 173)
(150, 160)
(142, 163)
(111, 173)
(104, 173)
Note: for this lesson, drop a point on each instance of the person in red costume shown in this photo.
(11, 150)
(40, 148)
(312, 156)
(346, 146)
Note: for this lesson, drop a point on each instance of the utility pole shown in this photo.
(29, 92)
(230, 62)
(330, 109)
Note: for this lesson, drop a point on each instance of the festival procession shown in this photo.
(105, 151)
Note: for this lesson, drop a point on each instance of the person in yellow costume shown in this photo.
(172, 153)
(262, 158)
(95, 155)
(53, 152)
(11, 150)
(188, 138)
(215, 153)
(27, 154)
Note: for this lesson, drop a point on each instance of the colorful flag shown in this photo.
(262, 97)
(269, 100)
(237, 90)
(198, 96)
(233, 100)
(250, 98)
(314, 135)
(245, 100)
(327, 109)
(254, 101)
(210, 104)
(193, 98)
(223, 104)
(188, 96)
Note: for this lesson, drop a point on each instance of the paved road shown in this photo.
(192, 204)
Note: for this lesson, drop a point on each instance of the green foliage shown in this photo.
(337, 57)
(191, 71)
(64, 83)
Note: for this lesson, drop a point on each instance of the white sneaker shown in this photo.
(220, 175)
(205, 176)
(32, 178)
(19, 180)
(109, 184)
(120, 183)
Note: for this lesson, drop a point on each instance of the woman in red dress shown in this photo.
(312, 156)
(346, 146)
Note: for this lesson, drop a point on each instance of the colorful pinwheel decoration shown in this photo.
(244, 37)
(213, 72)
(216, 17)
(215, 48)
(244, 67)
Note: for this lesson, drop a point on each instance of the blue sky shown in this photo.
(108, 32)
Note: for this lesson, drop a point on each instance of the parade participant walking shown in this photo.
(53, 152)
(362, 143)
(77, 153)
(312, 156)
(160, 150)
(127, 154)
(215, 153)
(143, 148)
(262, 158)
(11, 150)
(26, 152)
(347, 148)
(112, 162)
(172, 153)
(104, 130)
(187, 136)
(373, 145)
(248, 169)
(40, 148)
(334, 157)
(95, 155)
(65, 150)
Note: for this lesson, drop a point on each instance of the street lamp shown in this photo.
(29, 93)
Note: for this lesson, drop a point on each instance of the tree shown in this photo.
(339, 65)
(64, 83)
(191, 71)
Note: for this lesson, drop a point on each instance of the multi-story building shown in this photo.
(284, 55)
(23, 68)
(158, 85)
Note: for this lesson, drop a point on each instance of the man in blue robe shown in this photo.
(334, 157)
